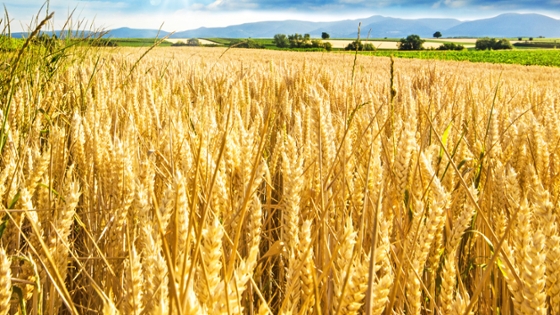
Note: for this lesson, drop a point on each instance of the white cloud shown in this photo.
(197, 6)
(214, 4)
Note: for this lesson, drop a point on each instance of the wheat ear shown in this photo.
(434, 223)
(449, 271)
(133, 284)
(5, 283)
(211, 252)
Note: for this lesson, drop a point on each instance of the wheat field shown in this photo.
(214, 181)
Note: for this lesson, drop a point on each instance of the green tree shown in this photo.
(358, 45)
(248, 43)
(504, 43)
(303, 41)
(437, 34)
(251, 43)
(369, 47)
(355, 45)
(325, 35)
(451, 46)
(281, 41)
(412, 42)
(300, 41)
(317, 43)
(193, 42)
(487, 43)
(295, 40)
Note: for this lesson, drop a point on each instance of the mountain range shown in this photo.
(377, 26)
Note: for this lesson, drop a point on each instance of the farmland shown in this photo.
(200, 180)
(386, 48)
(139, 42)
(522, 55)
(536, 57)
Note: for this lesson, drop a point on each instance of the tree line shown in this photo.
(301, 41)
(414, 42)
(304, 41)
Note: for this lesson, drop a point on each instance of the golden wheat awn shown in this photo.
(204, 181)
(6, 283)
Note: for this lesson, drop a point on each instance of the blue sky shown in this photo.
(181, 15)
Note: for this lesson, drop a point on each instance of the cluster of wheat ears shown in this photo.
(204, 181)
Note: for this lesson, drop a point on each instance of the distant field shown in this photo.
(341, 43)
(453, 40)
(184, 40)
(536, 39)
(223, 41)
(138, 42)
(337, 43)
(387, 47)
(537, 57)
(392, 44)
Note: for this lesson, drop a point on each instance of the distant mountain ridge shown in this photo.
(377, 26)
(509, 25)
(504, 25)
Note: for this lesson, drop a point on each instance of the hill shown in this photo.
(504, 25)
(393, 27)
(125, 32)
(508, 25)
(380, 27)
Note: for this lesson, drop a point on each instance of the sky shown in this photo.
(180, 15)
